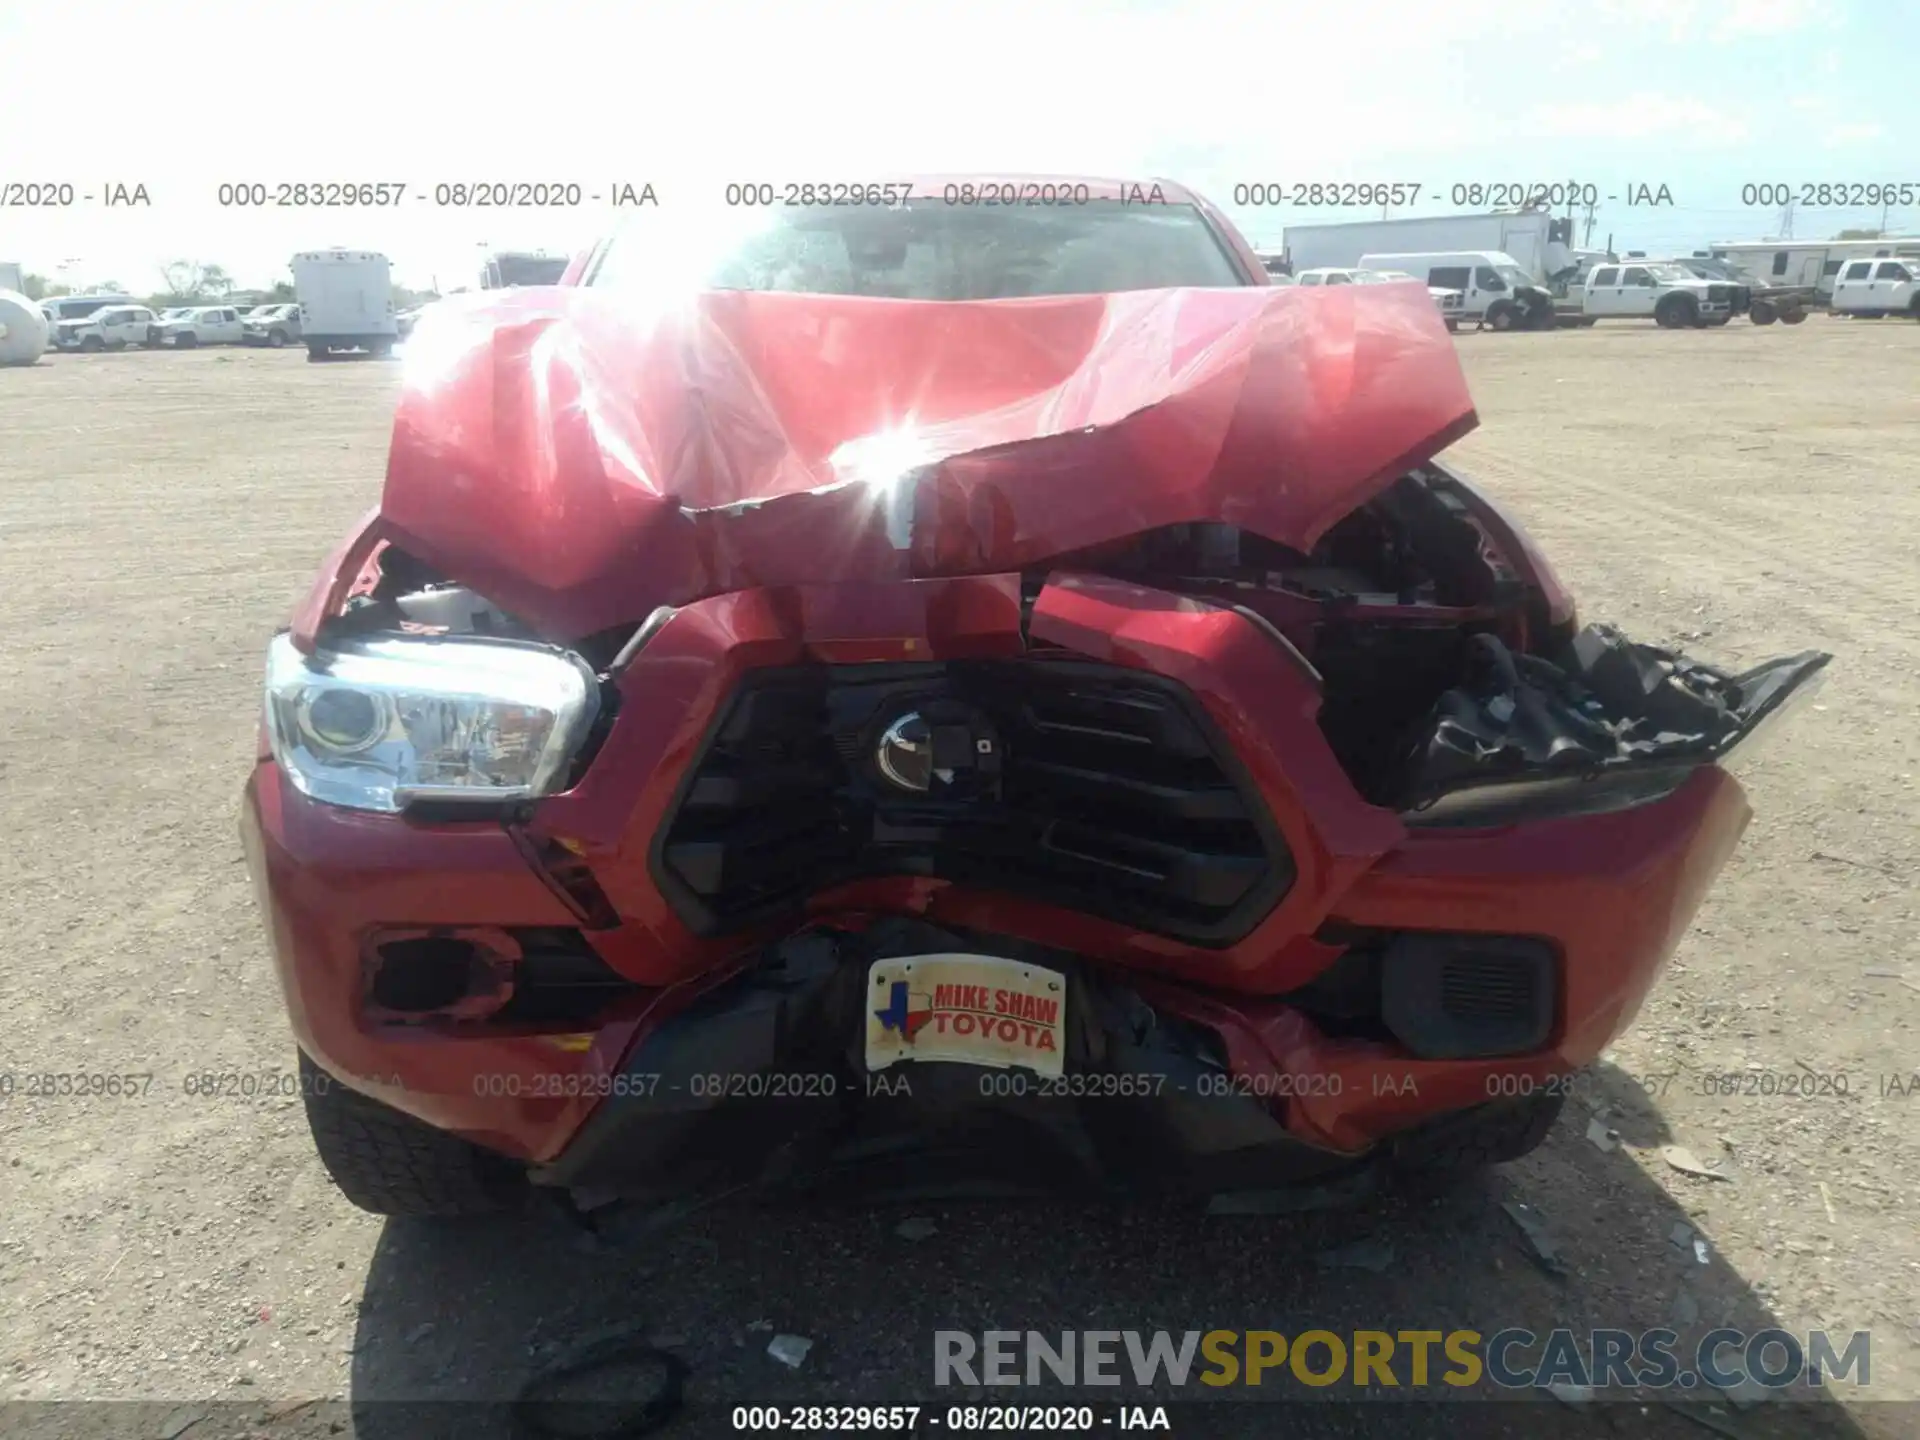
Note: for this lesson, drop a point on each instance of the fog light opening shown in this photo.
(439, 976)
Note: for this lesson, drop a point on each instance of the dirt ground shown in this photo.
(1743, 491)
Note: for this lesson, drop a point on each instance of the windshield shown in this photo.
(926, 250)
(1513, 274)
(1671, 272)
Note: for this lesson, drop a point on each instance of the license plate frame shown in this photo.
(966, 1009)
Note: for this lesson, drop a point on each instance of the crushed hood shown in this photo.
(581, 458)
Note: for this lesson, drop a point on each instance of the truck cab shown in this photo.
(1872, 289)
(1668, 294)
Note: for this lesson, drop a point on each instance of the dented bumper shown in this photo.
(587, 966)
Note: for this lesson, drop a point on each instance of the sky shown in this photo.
(1701, 98)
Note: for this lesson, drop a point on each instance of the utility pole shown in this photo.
(1586, 239)
(1786, 221)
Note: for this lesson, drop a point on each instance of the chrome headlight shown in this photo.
(375, 724)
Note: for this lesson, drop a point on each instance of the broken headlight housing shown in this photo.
(376, 724)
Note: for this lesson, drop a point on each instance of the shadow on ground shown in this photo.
(469, 1312)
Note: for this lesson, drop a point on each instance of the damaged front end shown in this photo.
(1455, 684)
(1159, 656)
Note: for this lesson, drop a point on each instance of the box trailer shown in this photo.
(346, 301)
(1538, 243)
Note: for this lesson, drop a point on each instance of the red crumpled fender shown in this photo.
(581, 456)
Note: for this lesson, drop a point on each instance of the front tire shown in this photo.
(92, 343)
(1676, 313)
(391, 1164)
(1500, 315)
(316, 352)
(276, 338)
(1793, 317)
(186, 340)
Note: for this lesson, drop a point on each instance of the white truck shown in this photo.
(198, 325)
(1531, 239)
(1875, 289)
(1670, 295)
(346, 301)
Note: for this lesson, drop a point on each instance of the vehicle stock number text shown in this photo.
(454, 195)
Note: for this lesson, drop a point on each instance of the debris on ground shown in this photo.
(1569, 1393)
(1686, 1162)
(789, 1350)
(1546, 1251)
(1680, 1235)
(916, 1228)
(753, 1325)
(1686, 1310)
(1603, 1139)
(1374, 1255)
(1826, 1199)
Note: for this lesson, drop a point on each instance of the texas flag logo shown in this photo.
(908, 1012)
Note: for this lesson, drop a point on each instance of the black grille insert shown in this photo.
(1087, 786)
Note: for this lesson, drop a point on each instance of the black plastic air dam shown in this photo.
(921, 1128)
(1081, 785)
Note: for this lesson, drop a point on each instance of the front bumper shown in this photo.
(1609, 894)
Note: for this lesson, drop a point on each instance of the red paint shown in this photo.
(579, 464)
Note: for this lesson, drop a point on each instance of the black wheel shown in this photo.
(153, 340)
(1914, 309)
(381, 349)
(92, 342)
(116, 344)
(391, 1164)
(185, 340)
(276, 338)
(1792, 317)
(1676, 312)
(316, 352)
(1761, 313)
(1500, 315)
(1457, 1146)
(1587, 322)
(1453, 327)
(1542, 317)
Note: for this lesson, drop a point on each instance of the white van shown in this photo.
(1875, 288)
(1494, 290)
(346, 301)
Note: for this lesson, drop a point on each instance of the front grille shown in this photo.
(1085, 786)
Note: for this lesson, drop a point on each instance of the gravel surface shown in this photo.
(1744, 491)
